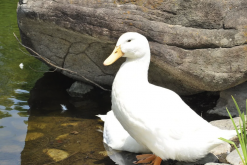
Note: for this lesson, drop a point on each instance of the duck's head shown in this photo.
(131, 45)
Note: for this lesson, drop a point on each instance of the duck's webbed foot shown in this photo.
(148, 158)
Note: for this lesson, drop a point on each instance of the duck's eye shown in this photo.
(129, 40)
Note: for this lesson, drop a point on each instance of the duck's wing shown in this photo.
(162, 109)
(158, 118)
(116, 137)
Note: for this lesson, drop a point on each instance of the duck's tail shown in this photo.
(203, 144)
(102, 117)
(226, 134)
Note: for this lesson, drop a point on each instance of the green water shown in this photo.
(31, 115)
(15, 84)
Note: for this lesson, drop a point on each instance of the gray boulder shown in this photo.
(239, 92)
(196, 45)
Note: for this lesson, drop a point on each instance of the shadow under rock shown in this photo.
(49, 93)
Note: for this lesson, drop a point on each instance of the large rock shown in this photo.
(196, 45)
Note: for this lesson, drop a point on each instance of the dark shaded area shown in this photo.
(50, 92)
(202, 102)
(50, 120)
(212, 117)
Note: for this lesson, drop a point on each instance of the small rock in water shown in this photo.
(78, 89)
(69, 124)
(34, 126)
(62, 136)
(33, 136)
(234, 158)
(103, 153)
(56, 154)
(74, 132)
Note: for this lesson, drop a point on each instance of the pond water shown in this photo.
(38, 119)
(35, 109)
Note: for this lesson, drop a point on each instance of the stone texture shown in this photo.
(226, 124)
(240, 95)
(78, 89)
(33, 136)
(60, 137)
(69, 124)
(234, 158)
(222, 151)
(196, 45)
(35, 126)
(56, 154)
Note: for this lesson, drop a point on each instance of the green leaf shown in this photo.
(242, 137)
(244, 128)
(235, 127)
(243, 143)
(239, 112)
(228, 141)
(232, 143)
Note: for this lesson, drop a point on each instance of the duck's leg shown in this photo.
(157, 161)
(143, 156)
(148, 158)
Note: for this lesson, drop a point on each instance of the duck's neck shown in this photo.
(133, 72)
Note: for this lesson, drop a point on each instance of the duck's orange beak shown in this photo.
(116, 54)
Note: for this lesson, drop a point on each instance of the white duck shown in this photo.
(115, 136)
(156, 117)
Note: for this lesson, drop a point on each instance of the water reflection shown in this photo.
(72, 132)
(15, 85)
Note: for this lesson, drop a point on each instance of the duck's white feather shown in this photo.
(157, 117)
(102, 117)
(115, 136)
